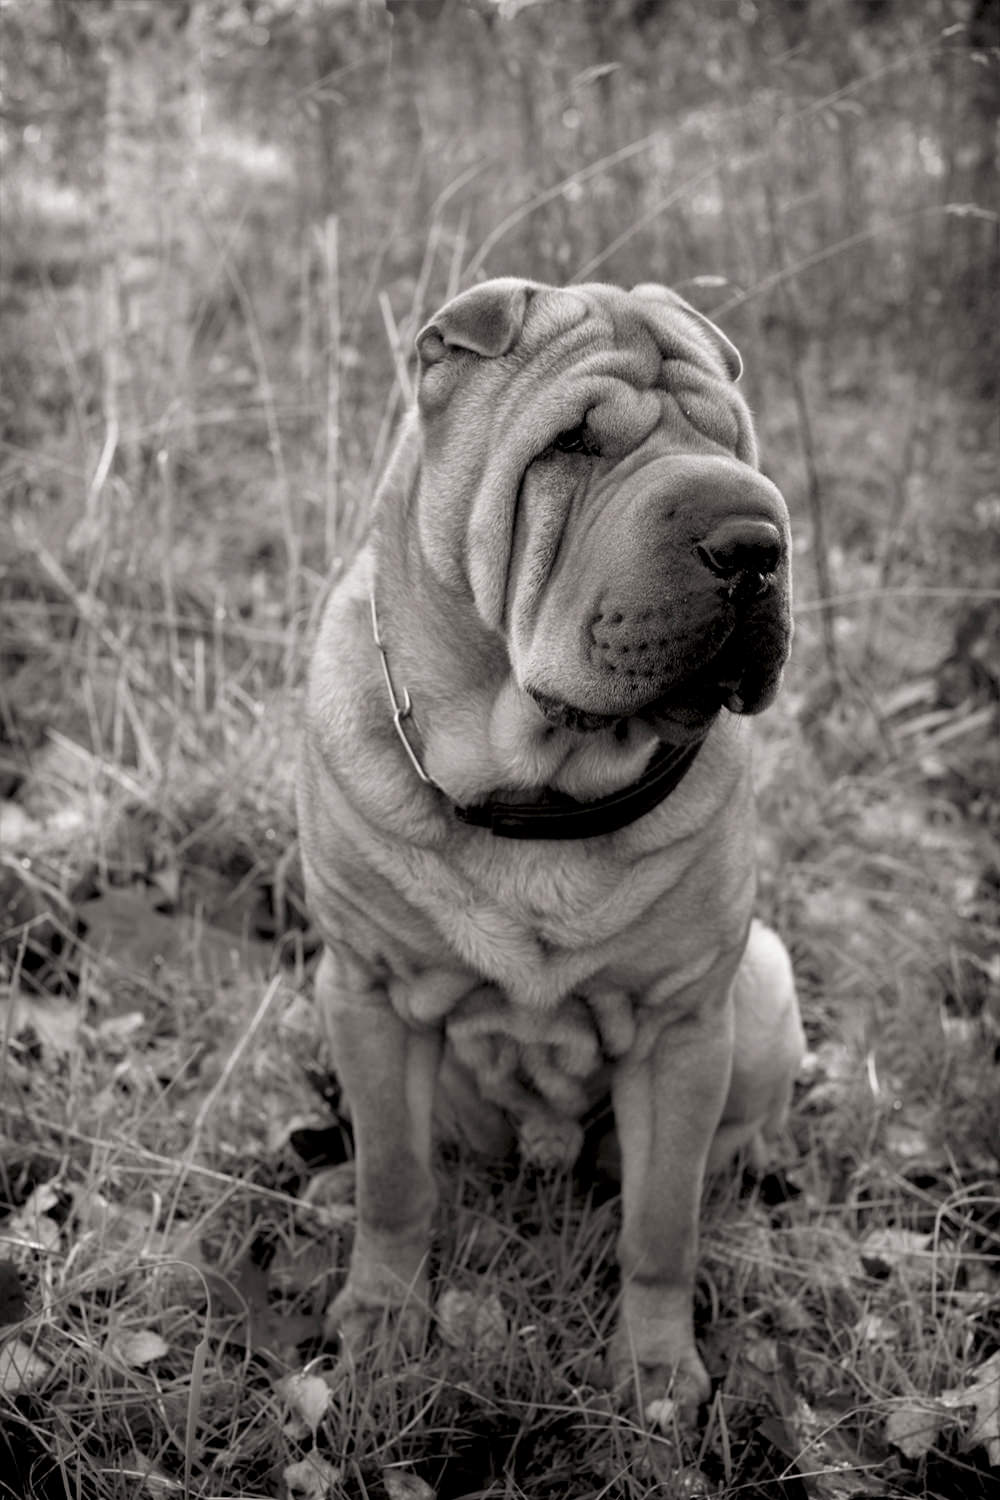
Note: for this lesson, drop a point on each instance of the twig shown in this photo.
(176, 1164)
(795, 333)
(331, 282)
(897, 511)
(392, 334)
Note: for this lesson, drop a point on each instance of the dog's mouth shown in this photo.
(566, 716)
(741, 674)
(683, 712)
(676, 715)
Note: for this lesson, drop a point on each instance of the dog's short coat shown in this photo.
(576, 581)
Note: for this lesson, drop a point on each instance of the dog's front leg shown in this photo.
(388, 1071)
(667, 1100)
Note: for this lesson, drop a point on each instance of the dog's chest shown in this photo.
(560, 942)
(537, 926)
(551, 957)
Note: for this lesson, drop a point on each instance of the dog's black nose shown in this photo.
(741, 545)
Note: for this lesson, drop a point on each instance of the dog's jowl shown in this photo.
(525, 802)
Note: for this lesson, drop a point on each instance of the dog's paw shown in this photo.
(369, 1322)
(671, 1397)
(668, 1395)
(550, 1141)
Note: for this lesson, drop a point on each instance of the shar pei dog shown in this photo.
(525, 800)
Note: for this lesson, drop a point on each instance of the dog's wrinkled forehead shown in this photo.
(517, 321)
(577, 321)
(679, 332)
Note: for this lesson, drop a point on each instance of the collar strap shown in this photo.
(553, 815)
(559, 817)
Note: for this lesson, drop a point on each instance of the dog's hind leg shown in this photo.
(768, 1048)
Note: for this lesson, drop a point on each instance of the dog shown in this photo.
(525, 804)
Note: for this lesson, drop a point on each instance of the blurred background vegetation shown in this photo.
(225, 219)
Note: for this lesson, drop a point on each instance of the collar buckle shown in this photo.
(402, 712)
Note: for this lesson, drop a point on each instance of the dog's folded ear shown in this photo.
(487, 319)
(651, 291)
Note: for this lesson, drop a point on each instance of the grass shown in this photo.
(175, 1174)
(164, 1106)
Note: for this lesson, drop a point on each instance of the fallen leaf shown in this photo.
(831, 1061)
(402, 1484)
(312, 1478)
(762, 1354)
(244, 1292)
(906, 1141)
(660, 1413)
(307, 1397)
(983, 1394)
(124, 927)
(475, 1320)
(31, 1226)
(54, 1021)
(18, 829)
(167, 880)
(885, 1250)
(961, 1032)
(689, 1483)
(873, 1328)
(121, 1028)
(914, 1428)
(115, 1226)
(141, 1348)
(21, 1369)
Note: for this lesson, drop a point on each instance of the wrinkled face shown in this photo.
(614, 527)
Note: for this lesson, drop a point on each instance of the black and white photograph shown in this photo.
(499, 749)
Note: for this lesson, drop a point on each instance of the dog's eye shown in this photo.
(575, 440)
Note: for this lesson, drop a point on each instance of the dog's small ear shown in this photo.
(487, 319)
(651, 291)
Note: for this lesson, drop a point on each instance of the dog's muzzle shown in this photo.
(687, 619)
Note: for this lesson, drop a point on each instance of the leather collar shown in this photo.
(556, 816)
(553, 815)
